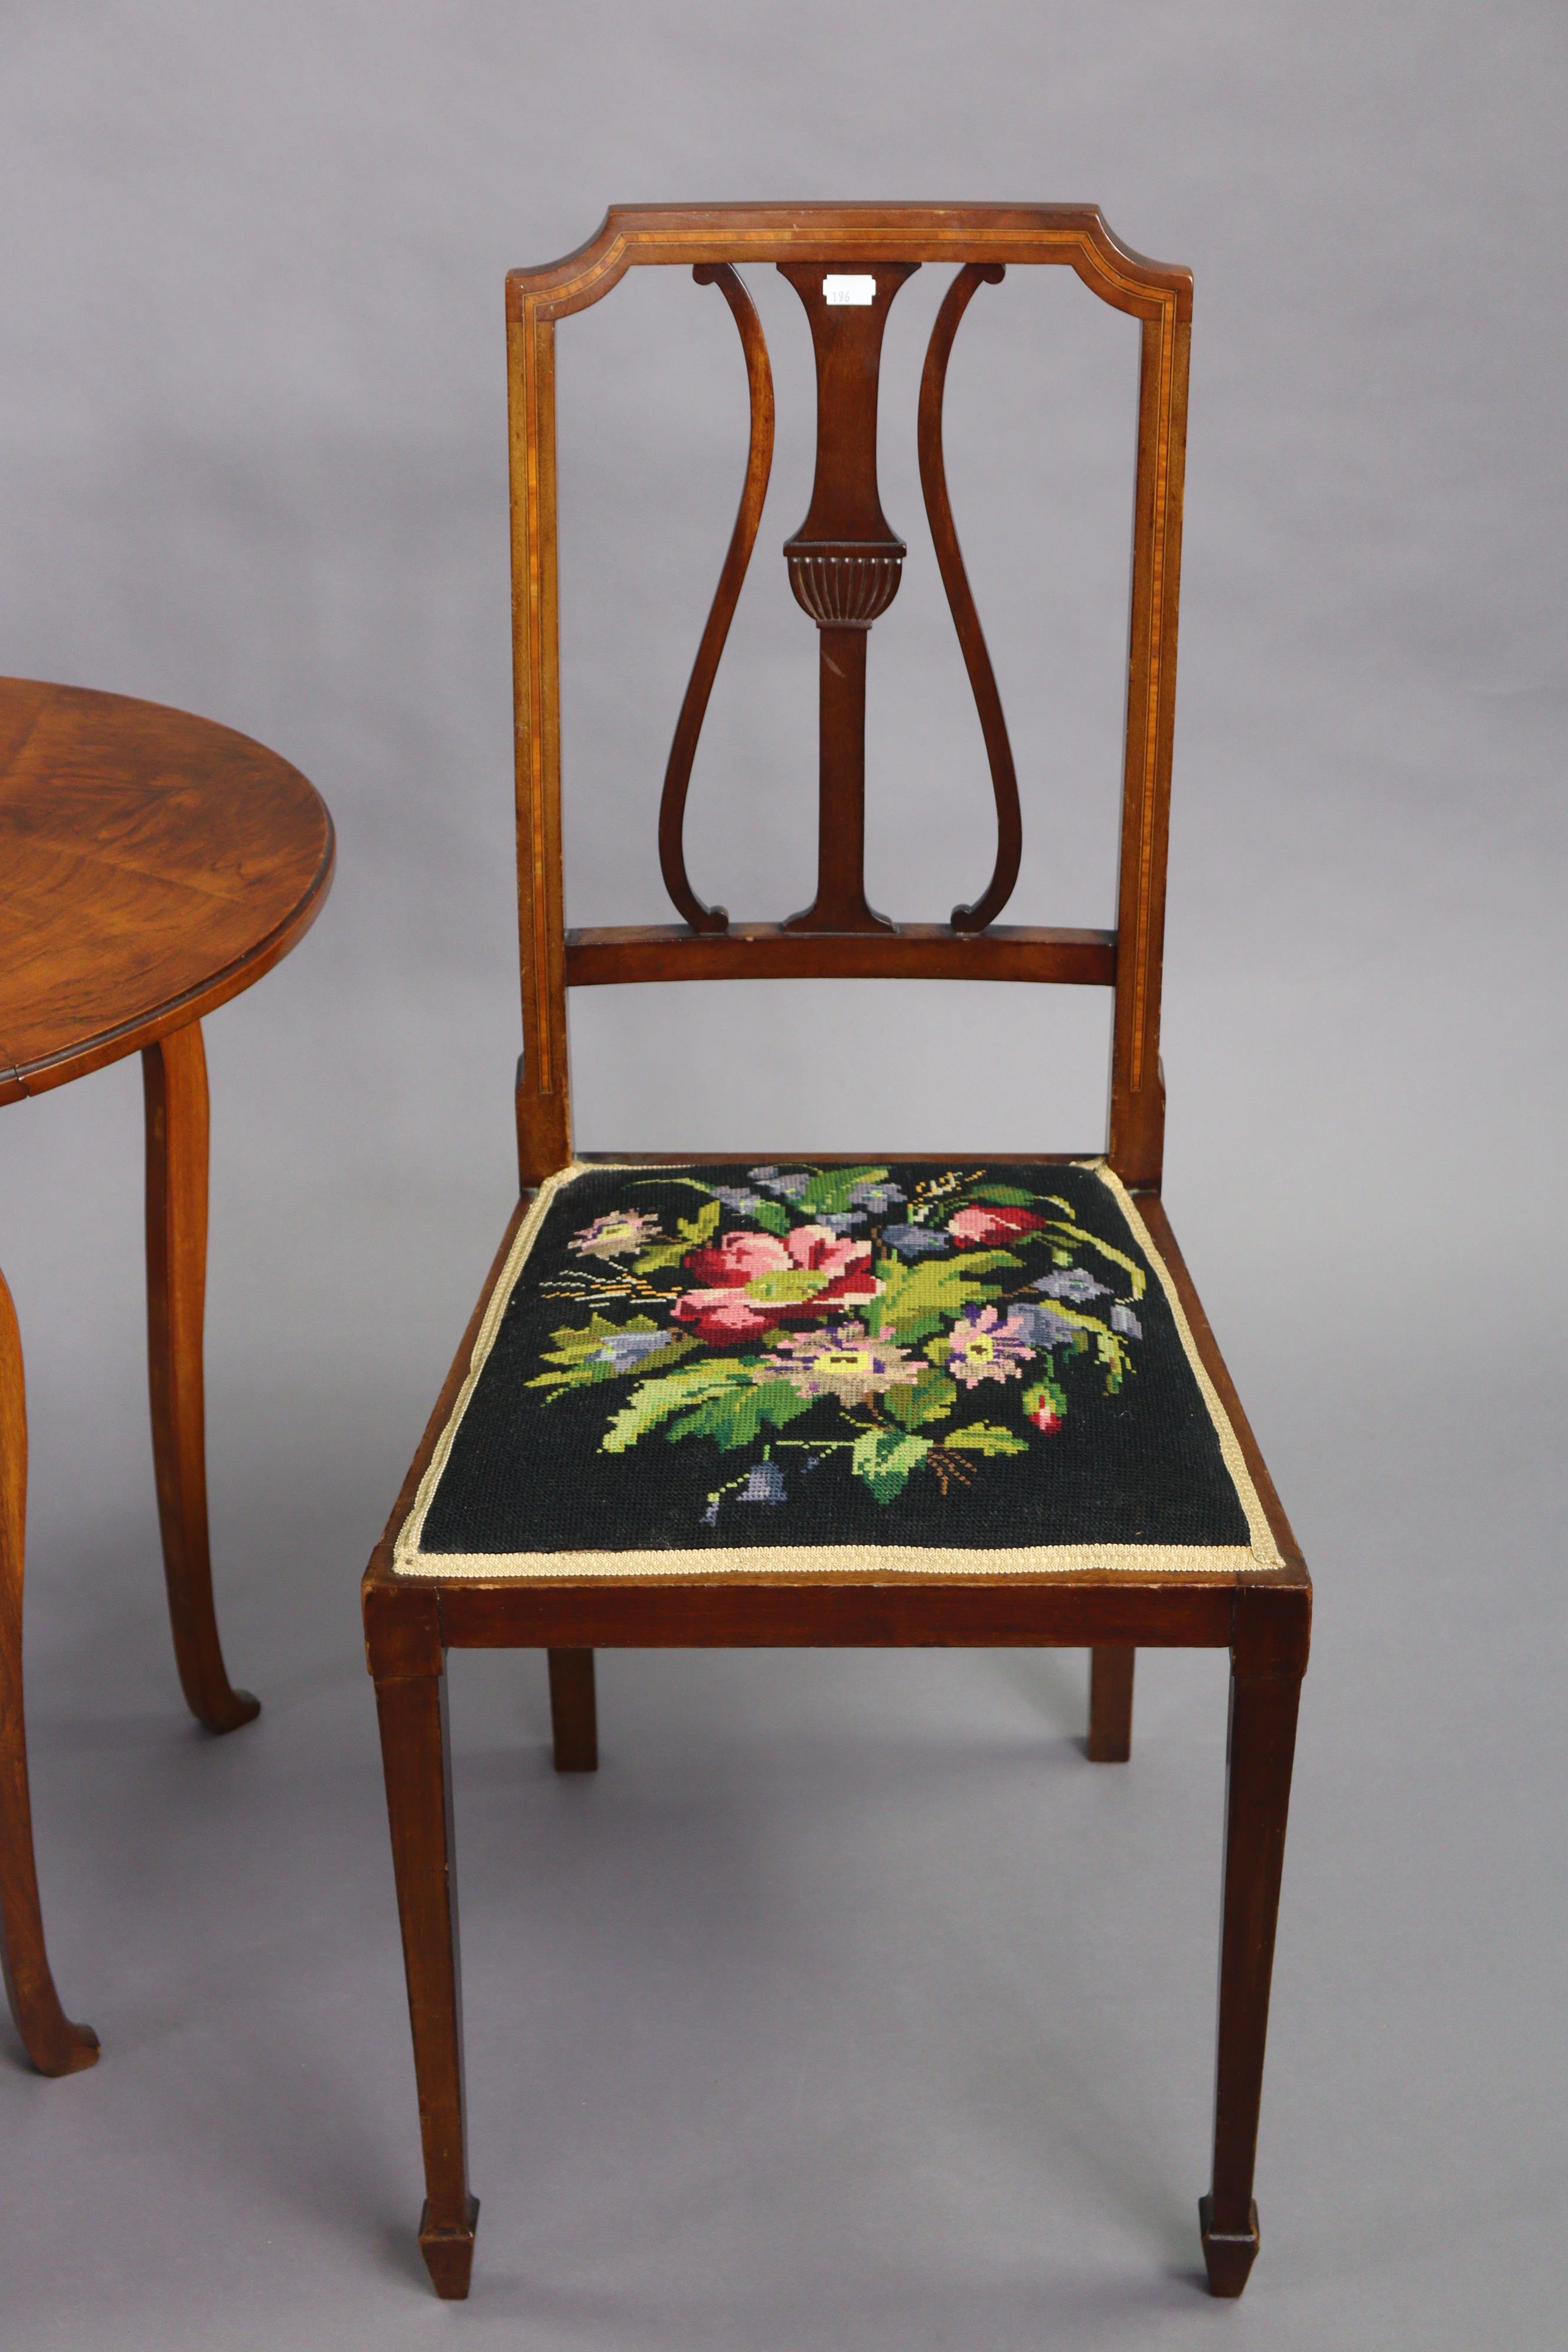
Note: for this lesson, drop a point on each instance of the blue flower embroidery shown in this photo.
(1075, 1283)
(786, 1186)
(1043, 1327)
(917, 1241)
(625, 1348)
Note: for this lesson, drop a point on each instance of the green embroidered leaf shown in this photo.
(770, 1216)
(662, 1253)
(1119, 1257)
(572, 1345)
(885, 1460)
(652, 1401)
(1006, 1196)
(828, 1194)
(985, 1437)
(781, 1403)
(1047, 1390)
(584, 1360)
(916, 1300)
(693, 1231)
(736, 1417)
(1109, 1346)
(928, 1399)
(787, 1285)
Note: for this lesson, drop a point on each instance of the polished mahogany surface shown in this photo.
(153, 865)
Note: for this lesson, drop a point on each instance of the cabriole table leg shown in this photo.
(174, 1084)
(54, 2044)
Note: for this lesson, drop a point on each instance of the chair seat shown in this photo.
(801, 1368)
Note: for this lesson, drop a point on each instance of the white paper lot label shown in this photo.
(838, 291)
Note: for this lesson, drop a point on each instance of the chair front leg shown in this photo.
(417, 1761)
(54, 2044)
(1261, 1748)
(174, 1086)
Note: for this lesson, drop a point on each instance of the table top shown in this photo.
(153, 865)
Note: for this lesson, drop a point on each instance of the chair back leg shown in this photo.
(573, 1713)
(1110, 1705)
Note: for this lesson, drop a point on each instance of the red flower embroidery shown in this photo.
(751, 1281)
(992, 1221)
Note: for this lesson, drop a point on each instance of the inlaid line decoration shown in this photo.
(533, 330)
(1037, 242)
(693, 709)
(1158, 520)
(961, 600)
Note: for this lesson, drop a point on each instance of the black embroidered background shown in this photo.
(1141, 1466)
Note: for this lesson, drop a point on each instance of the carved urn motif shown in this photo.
(844, 584)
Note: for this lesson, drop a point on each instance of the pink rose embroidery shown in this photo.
(749, 1282)
(992, 1221)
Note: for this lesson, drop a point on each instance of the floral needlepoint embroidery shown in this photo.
(983, 1348)
(829, 1324)
(624, 1348)
(1043, 1413)
(917, 1241)
(844, 1362)
(988, 1224)
(1076, 1284)
(619, 1234)
(751, 1281)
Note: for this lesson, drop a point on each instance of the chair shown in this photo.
(962, 1400)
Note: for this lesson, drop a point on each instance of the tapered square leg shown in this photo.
(574, 1711)
(1229, 2254)
(449, 2253)
(174, 1088)
(1110, 1705)
(1262, 1744)
(52, 2042)
(417, 1763)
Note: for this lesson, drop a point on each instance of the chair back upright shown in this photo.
(846, 263)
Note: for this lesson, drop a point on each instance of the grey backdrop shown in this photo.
(847, 2007)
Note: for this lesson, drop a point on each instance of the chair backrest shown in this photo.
(846, 262)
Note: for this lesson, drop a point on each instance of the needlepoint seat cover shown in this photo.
(899, 1368)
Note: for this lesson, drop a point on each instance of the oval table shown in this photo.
(151, 866)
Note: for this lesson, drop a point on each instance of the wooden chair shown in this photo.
(916, 1400)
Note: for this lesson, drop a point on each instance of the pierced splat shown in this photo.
(694, 709)
(960, 602)
(844, 566)
(839, 933)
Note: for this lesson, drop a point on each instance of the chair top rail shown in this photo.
(676, 234)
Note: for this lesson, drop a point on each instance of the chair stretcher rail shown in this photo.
(766, 952)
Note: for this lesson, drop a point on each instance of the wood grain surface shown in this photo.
(153, 865)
